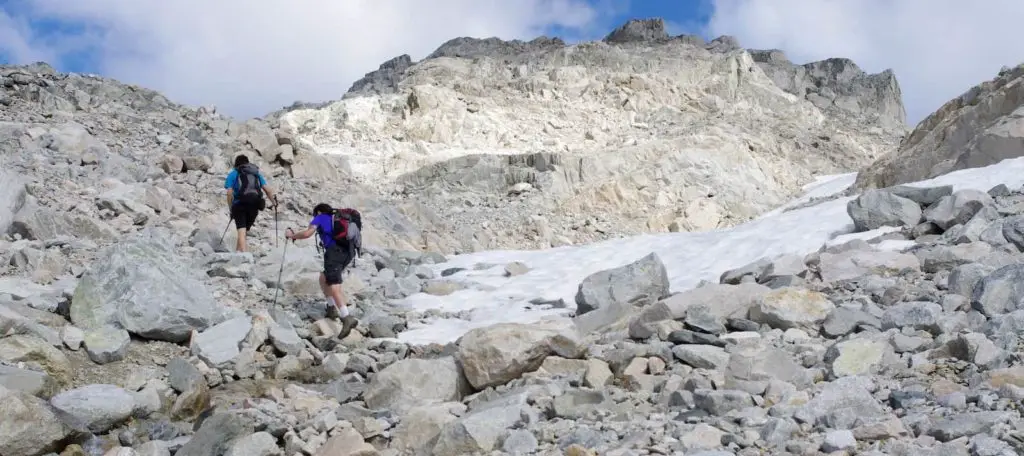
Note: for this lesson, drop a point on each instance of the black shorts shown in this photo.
(244, 215)
(336, 259)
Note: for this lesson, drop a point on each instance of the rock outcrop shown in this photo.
(984, 125)
(539, 143)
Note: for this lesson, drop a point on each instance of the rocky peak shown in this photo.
(639, 30)
(837, 85)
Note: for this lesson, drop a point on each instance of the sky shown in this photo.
(250, 57)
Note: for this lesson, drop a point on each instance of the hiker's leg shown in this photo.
(240, 216)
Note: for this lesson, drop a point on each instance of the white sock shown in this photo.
(343, 312)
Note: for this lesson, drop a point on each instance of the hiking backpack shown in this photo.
(250, 191)
(347, 229)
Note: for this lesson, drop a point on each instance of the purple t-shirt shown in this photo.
(326, 223)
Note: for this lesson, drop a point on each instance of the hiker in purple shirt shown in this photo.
(340, 249)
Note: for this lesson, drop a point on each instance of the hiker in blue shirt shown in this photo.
(245, 187)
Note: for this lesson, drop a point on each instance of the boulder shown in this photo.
(497, 354)
(97, 408)
(788, 307)
(144, 287)
(221, 343)
(28, 426)
(20, 348)
(106, 344)
(413, 382)
(12, 198)
(957, 208)
(1000, 292)
(718, 301)
(877, 208)
(644, 279)
(852, 264)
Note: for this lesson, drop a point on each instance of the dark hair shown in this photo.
(241, 160)
(322, 208)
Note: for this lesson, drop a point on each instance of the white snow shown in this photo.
(688, 257)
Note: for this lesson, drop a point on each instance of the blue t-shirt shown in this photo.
(326, 224)
(233, 182)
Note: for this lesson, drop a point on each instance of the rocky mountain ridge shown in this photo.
(982, 126)
(547, 144)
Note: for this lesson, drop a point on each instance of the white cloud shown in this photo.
(250, 57)
(937, 48)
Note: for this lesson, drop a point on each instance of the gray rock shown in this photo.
(484, 426)
(412, 382)
(852, 264)
(843, 321)
(1000, 292)
(751, 272)
(787, 308)
(182, 375)
(945, 257)
(258, 444)
(838, 441)
(702, 356)
(28, 427)
(721, 301)
(964, 278)
(720, 402)
(923, 316)
(216, 435)
(842, 404)
(966, 424)
(874, 209)
(97, 408)
(925, 196)
(221, 343)
(144, 287)
(12, 198)
(957, 208)
(153, 448)
(286, 340)
(519, 442)
(106, 344)
(644, 279)
(27, 381)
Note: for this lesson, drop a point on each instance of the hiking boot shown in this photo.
(347, 324)
(332, 312)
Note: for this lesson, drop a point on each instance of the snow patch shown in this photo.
(689, 257)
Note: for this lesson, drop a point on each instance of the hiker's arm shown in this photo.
(309, 231)
(231, 197)
(270, 194)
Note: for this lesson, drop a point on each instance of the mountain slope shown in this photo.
(533, 144)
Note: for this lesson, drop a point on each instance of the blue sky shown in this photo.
(248, 57)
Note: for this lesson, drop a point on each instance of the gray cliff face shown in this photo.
(836, 85)
(982, 126)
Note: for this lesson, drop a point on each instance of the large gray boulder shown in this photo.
(644, 279)
(28, 427)
(12, 198)
(145, 288)
(97, 408)
(957, 208)
(497, 354)
(414, 382)
(1000, 292)
(877, 208)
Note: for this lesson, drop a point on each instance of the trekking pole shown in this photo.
(276, 233)
(284, 256)
(225, 233)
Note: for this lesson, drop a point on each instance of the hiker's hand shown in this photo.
(288, 234)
